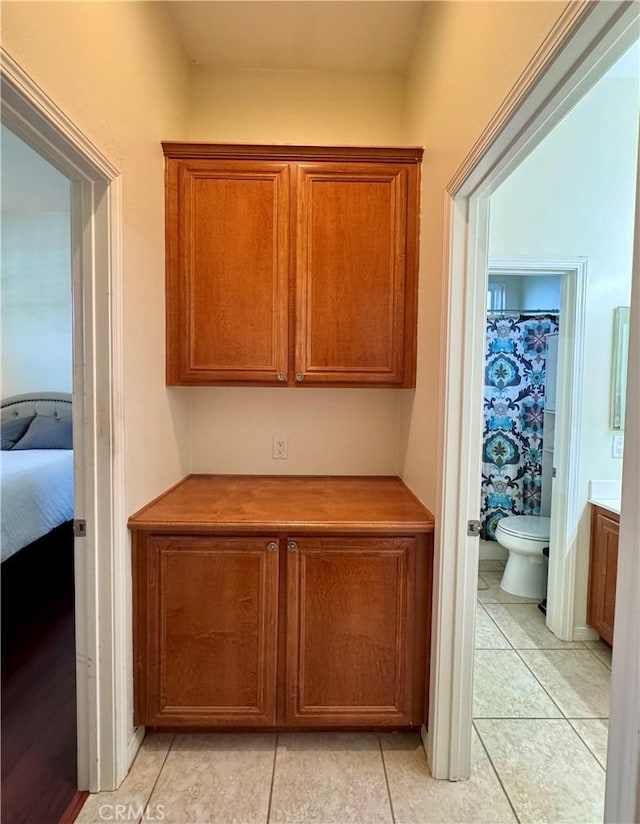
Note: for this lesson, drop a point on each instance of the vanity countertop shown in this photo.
(610, 504)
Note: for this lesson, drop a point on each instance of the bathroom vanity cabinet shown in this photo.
(291, 265)
(282, 602)
(603, 570)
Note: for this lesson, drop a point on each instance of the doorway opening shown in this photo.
(520, 377)
(539, 401)
(104, 750)
(567, 192)
(577, 54)
(39, 762)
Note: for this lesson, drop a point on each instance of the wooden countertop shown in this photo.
(250, 503)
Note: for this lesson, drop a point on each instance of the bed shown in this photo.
(36, 464)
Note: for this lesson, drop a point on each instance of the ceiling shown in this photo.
(344, 35)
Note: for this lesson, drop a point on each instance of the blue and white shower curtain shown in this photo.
(515, 368)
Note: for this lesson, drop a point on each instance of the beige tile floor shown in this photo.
(540, 708)
(539, 750)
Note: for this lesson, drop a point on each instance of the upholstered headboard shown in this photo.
(52, 404)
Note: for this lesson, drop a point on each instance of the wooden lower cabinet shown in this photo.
(351, 636)
(351, 621)
(603, 570)
(208, 608)
(282, 603)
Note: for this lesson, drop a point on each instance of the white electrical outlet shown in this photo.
(617, 445)
(280, 447)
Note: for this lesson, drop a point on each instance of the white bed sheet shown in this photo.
(36, 495)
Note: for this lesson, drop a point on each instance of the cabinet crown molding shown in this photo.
(250, 151)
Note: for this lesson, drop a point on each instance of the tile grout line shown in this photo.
(597, 657)
(517, 651)
(497, 774)
(273, 775)
(538, 718)
(386, 778)
(604, 769)
(494, 622)
(545, 649)
(583, 648)
(155, 783)
(541, 685)
(527, 649)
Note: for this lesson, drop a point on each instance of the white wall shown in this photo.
(540, 292)
(35, 276)
(331, 431)
(36, 303)
(574, 197)
(512, 289)
(530, 292)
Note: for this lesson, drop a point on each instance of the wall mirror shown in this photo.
(619, 372)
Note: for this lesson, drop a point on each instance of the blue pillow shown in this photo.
(47, 432)
(13, 430)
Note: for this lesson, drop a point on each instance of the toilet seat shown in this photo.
(531, 527)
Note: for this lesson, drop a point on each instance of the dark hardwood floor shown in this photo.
(38, 682)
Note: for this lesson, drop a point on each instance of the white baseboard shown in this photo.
(585, 634)
(423, 736)
(492, 551)
(134, 745)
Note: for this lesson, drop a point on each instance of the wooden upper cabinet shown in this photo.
(227, 272)
(350, 273)
(291, 265)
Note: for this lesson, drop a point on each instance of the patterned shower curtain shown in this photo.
(515, 363)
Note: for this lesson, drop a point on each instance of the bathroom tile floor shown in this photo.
(541, 708)
(539, 750)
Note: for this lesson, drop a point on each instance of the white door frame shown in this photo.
(584, 43)
(100, 570)
(622, 800)
(567, 504)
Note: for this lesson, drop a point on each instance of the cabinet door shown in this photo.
(227, 272)
(354, 302)
(211, 645)
(350, 632)
(603, 572)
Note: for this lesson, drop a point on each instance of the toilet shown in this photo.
(525, 536)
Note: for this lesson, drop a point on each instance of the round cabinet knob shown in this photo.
(299, 377)
(292, 546)
(282, 376)
(272, 546)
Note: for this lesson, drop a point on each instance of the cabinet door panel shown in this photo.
(228, 272)
(212, 631)
(603, 570)
(350, 631)
(350, 270)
